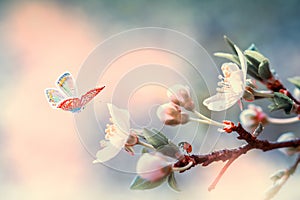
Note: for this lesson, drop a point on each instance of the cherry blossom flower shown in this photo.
(117, 136)
(180, 95)
(153, 166)
(170, 114)
(232, 85)
(251, 117)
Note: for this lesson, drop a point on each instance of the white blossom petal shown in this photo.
(106, 153)
(116, 136)
(237, 83)
(120, 118)
(233, 67)
(232, 85)
(247, 118)
(220, 101)
(118, 141)
(153, 167)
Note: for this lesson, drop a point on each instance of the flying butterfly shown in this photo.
(64, 96)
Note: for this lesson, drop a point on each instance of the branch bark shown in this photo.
(230, 155)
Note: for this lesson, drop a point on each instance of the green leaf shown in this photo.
(156, 139)
(228, 56)
(254, 57)
(264, 70)
(139, 183)
(281, 101)
(295, 80)
(172, 182)
(170, 150)
(252, 71)
(230, 43)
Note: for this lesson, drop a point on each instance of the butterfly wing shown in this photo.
(54, 96)
(67, 84)
(70, 104)
(90, 95)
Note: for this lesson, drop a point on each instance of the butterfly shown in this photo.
(64, 96)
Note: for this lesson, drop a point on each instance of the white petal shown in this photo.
(120, 118)
(247, 118)
(237, 82)
(286, 137)
(232, 66)
(118, 140)
(220, 101)
(150, 166)
(107, 153)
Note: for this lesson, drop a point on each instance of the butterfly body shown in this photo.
(65, 95)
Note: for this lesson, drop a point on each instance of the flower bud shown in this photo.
(248, 95)
(170, 114)
(180, 95)
(153, 167)
(132, 140)
(274, 189)
(287, 137)
(279, 179)
(251, 117)
(278, 175)
(296, 93)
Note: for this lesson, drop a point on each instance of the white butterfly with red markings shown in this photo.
(65, 95)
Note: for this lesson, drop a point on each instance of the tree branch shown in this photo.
(276, 85)
(231, 155)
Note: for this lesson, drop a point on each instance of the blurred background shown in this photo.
(41, 156)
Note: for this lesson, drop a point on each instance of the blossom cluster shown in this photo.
(161, 158)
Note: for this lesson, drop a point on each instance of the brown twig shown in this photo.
(231, 155)
(276, 85)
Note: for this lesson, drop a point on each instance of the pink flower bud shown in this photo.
(251, 117)
(170, 114)
(180, 95)
(153, 167)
